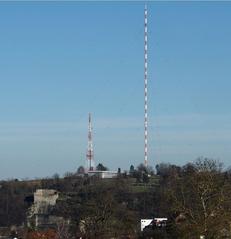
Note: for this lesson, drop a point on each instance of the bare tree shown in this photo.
(62, 231)
(201, 196)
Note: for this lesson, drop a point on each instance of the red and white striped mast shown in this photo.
(90, 153)
(145, 86)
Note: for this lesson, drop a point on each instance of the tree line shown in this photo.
(196, 199)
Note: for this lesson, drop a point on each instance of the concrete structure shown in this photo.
(45, 196)
(40, 213)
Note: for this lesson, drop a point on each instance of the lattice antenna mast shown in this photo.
(90, 153)
(145, 86)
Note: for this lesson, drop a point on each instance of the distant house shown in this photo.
(151, 223)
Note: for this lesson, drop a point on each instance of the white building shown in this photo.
(103, 174)
(157, 222)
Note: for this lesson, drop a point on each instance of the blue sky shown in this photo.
(59, 61)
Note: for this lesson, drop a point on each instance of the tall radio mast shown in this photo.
(90, 154)
(145, 86)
